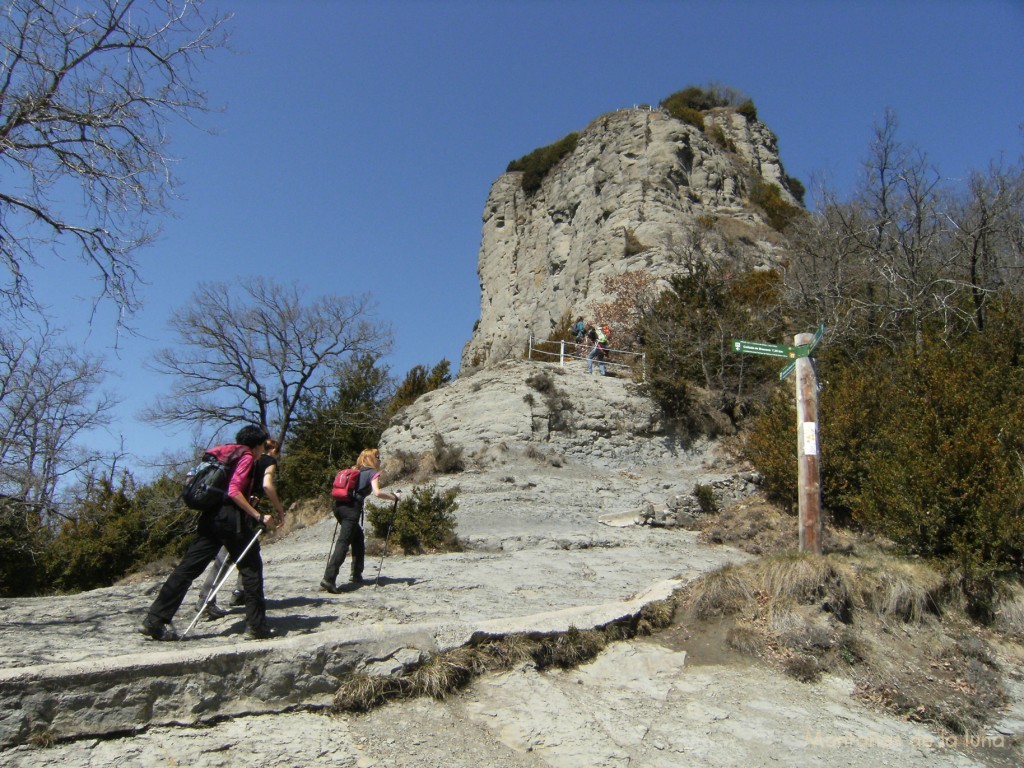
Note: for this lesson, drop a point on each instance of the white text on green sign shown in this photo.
(771, 350)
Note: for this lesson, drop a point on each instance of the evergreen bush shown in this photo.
(925, 447)
(423, 521)
(768, 197)
(687, 337)
(22, 537)
(796, 188)
(535, 166)
(717, 135)
(689, 103)
(748, 110)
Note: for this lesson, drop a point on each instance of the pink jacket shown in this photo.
(241, 478)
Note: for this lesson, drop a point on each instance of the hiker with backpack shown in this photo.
(234, 524)
(599, 339)
(263, 486)
(579, 328)
(351, 487)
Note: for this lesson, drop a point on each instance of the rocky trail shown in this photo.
(550, 545)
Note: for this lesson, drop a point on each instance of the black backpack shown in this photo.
(206, 486)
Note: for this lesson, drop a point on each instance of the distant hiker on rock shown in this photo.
(232, 526)
(579, 329)
(348, 509)
(263, 486)
(598, 339)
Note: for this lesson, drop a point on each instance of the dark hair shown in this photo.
(251, 435)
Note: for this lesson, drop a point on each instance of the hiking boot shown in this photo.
(358, 581)
(156, 629)
(262, 632)
(328, 586)
(238, 597)
(214, 612)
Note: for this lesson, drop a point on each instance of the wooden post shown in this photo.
(808, 447)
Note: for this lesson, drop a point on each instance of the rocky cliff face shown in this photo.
(631, 195)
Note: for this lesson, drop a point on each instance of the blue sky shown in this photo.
(358, 140)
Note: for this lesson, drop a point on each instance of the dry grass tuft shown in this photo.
(898, 589)
(745, 639)
(655, 616)
(508, 652)
(42, 738)
(896, 626)
(804, 667)
(361, 692)
(723, 592)
(451, 670)
(805, 579)
(443, 673)
(569, 649)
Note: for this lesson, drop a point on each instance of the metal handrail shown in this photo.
(580, 351)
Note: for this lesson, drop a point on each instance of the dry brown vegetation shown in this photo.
(897, 627)
(448, 671)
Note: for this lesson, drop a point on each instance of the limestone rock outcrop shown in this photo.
(633, 194)
(520, 406)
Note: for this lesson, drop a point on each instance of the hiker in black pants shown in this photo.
(233, 526)
(350, 532)
(263, 486)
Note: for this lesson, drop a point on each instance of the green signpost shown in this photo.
(763, 348)
(809, 474)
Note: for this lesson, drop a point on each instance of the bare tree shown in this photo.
(903, 254)
(253, 358)
(49, 399)
(989, 234)
(87, 91)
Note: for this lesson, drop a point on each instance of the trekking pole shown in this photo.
(216, 589)
(337, 525)
(224, 564)
(384, 552)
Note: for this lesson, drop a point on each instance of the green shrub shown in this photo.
(101, 543)
(535, 166)
(22, 538)
(796, 188)
(692, 116)
(768, 197)
(748, 110)
(705, 496)
(687, 336)
(924, 448)
(717, 135)
(688, 103)
(423, 521)
(695, 98)
(771, 446)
